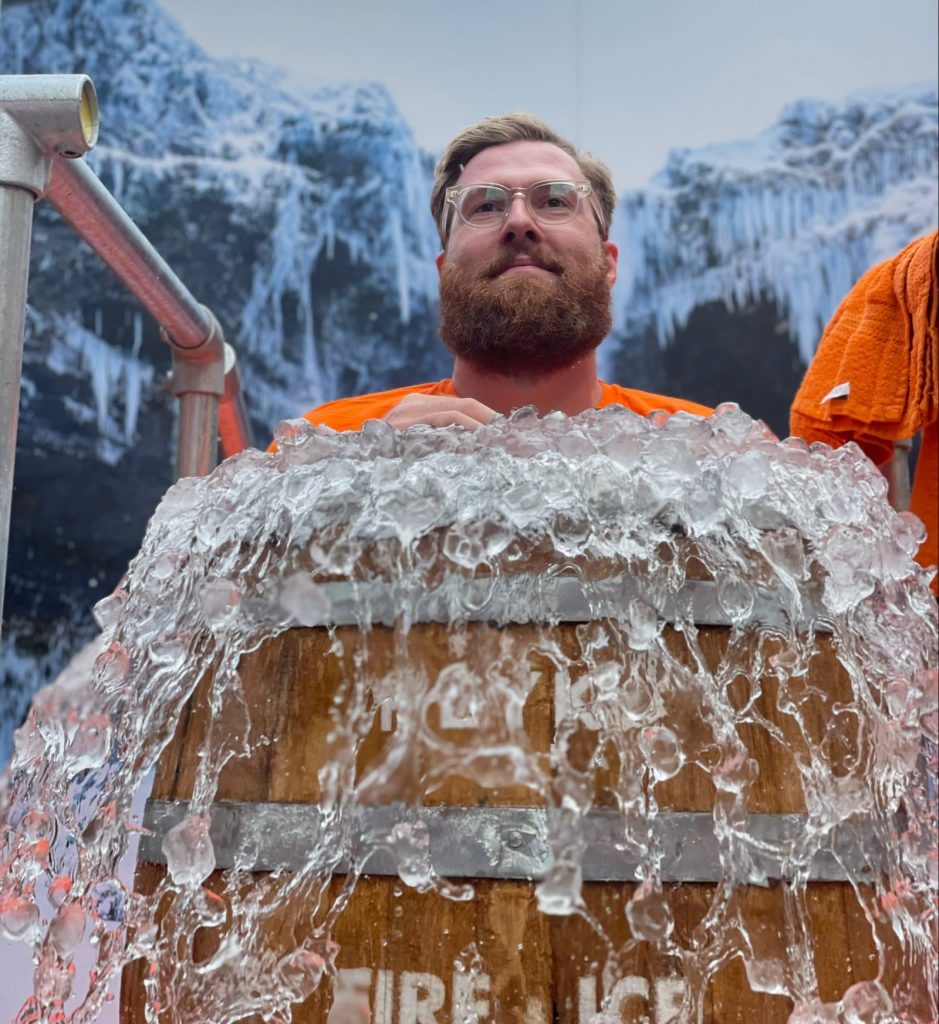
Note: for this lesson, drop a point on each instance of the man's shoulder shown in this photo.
(644, 402)
(351, 413)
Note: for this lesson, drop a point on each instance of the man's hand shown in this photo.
(439, 411)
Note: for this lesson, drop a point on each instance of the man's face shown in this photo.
(525, 297)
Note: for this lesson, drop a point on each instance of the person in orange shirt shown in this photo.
(875, 377)
(526, 270)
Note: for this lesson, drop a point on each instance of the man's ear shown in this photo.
(612, 256)
(439, 260)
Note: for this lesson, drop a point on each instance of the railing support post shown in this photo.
(16, 224)
(42, 118)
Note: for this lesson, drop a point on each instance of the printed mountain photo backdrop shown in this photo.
(301, 218)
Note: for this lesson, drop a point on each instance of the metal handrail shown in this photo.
(84, 202)
(47, 123)
(199, 350)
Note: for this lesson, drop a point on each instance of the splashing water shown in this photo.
(607, 718)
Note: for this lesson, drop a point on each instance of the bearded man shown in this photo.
(526, 270)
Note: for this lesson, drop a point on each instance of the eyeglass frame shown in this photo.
(584, 191)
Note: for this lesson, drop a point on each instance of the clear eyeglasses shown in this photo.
(550, 202)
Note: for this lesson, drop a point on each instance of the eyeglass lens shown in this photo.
(485, 205)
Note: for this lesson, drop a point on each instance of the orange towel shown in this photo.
(874, 377)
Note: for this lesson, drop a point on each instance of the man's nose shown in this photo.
(519, 222)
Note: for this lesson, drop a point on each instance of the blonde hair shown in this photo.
(516, 127)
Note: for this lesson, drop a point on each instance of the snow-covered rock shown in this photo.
(299, 216)
(797, 214)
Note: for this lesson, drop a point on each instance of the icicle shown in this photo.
(401, 265)
(115, 378)
(117, 175)
(138, 333)
(309, 336)
(132, 388)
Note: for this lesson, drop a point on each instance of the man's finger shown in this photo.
(438, 411)
(451, 418)
(444, 418)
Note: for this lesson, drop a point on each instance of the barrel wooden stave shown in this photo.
(291, 684)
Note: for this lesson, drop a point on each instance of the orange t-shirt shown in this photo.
(351, 413)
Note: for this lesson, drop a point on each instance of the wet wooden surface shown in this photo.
(418, 950)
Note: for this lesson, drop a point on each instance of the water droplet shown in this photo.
(19, 918)
(662, 750)
(219, 599)
(648, 913)
(190, 856)
(67, 929)
(643, 624)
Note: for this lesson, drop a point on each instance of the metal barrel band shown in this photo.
(526, 598)
(513, 842)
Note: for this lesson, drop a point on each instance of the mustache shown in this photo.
(539, 256)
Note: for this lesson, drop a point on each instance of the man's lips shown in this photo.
(524, 264)
(526, 268)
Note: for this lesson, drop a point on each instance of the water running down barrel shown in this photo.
(406, 951)
(589, 746)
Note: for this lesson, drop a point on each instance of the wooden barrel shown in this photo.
(418, 957)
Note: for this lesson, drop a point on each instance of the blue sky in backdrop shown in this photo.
(628, 79)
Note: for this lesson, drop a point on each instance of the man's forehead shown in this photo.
(520, 163)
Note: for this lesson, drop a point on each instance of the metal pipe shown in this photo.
(197, 450)
(45, 118)
(46, 121)
(203, 364)
(897, 471)
(199, 387)
(59, 113)
(233, 426)
(95, 214)
(16, 225)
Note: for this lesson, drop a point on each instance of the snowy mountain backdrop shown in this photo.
(735, 257)
(301, 218)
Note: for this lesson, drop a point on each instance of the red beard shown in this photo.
(526, 324)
